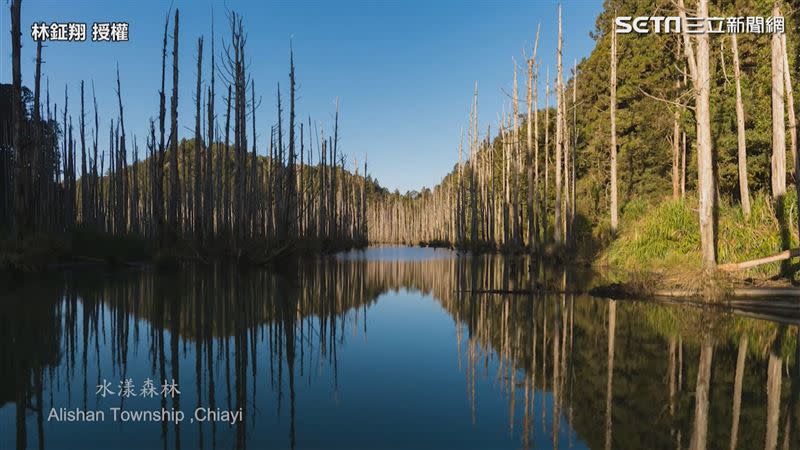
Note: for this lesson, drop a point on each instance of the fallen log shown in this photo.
(766, 292)
(537, 290)
(734, 293)
(784, 255)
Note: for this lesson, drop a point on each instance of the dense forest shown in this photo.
(215, 191)
(634, 127)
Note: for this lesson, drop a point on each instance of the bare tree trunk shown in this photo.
(744, 190)
(613, 142)
(683, 164)
(472, 171)
(574, 151)
(778, 160)
(515, 151)
(557, 232)
(239, 132)
(792, 118)
(121, 225)
(96, 181)
(173, 169)
(565, 172)
(198, 144)
(134, 190)
(20, 223)
(459, 195)
(700, 72)
(546, 197)
(787, 76)
(37, 115)
(225, 168)
(676, 152)
(38, 184)
(291, 182)
(84, 178)
(162, 112)
(254, 189)
(533, 152)
(302, 203)
(209, 203)
(334, 186)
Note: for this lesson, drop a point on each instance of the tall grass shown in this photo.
(83, 244)
(666, 237)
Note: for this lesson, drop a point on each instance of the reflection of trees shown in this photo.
(655, 347)
(701, 395)
(620, 374)
(737, 390)
(230, 318)
(612, 330)
(30, 337)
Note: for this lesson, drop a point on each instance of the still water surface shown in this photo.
(385, 348)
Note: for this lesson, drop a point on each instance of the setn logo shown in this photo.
(699, 25)
(643, 24)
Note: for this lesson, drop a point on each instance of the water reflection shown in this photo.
(390, 349)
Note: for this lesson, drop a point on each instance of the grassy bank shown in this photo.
(665, 239)
(37, 252)
(87, 246)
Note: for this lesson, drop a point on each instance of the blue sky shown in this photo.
(403, 70)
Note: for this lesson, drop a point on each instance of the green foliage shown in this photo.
(667, 233)
(650, 68)
(760, 235)
(84, 244)
(31, 253)
(88, 243)
(666, 236)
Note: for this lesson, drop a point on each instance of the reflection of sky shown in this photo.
(398, 386)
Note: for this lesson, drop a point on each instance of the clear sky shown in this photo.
(403, 70)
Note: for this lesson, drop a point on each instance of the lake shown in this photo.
(385, 348)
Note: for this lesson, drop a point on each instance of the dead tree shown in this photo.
(698, 61)
(558, 232)
(613, 141)
(174, 194)
(85, 195)
(226, 179)
(20, 224)
(778, 160)
(291, 212)
(573, 154)
(533, 152)
(744, 190)
(676, 149)
(198, 144)
(96, 180)
(787, 76)
(39, 184)
(208, 198)
(546, 197)
(472, 171)
(134, 190)
(254, 189)
(159, 165)
(121, 224)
